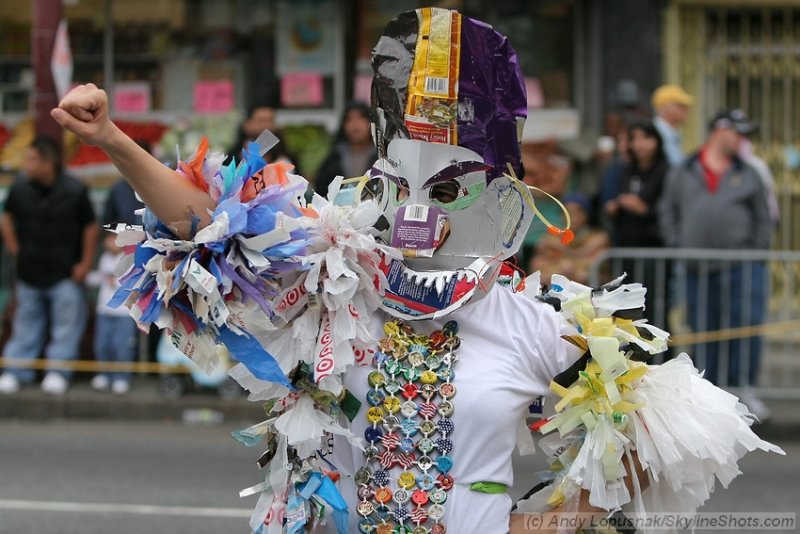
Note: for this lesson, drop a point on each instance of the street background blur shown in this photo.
(158, 457)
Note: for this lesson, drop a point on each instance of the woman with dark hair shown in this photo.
(353, 152)
(633, 211)
(261, 117)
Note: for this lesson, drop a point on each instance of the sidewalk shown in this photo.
(144, 402)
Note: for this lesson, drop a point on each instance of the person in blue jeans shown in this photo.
(715, 200)
(115, 337)
(733, 296)
(49, 229)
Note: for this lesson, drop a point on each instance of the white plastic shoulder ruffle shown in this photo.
(685, 432)
(287, 288)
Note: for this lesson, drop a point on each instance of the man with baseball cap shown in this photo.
(671, 104)
(715, 200)
(733, 119)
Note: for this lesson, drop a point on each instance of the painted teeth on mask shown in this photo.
(428, 280)
(440, 283)
(439, 280)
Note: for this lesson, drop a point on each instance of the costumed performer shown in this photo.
(375, 329)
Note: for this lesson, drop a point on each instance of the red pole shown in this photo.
(46, 16)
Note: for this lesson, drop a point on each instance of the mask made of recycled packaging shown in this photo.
(448, 105)
(441, 212)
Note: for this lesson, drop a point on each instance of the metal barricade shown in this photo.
(735, 312)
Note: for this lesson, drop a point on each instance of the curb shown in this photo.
(203, 406)
(143, 403)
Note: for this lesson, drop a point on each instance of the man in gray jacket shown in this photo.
(714, 200)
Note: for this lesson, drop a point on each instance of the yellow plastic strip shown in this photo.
(566, 234)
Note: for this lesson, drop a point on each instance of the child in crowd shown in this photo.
(115, 331)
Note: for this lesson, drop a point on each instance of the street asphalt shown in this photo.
(92, 463)
(93, 477)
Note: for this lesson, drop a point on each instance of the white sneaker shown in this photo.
(120, 387)
(9, 384)
(54, 384)
(756, 406)
(100, 382)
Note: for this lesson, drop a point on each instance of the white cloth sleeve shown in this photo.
(544, 352)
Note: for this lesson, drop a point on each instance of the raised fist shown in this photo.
(84, 112)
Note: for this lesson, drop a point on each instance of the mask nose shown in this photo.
(420, 230)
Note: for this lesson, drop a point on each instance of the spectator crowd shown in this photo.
(646, 191)
(635, 186)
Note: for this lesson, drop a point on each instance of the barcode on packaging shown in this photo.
(416, 213)
(436, 86)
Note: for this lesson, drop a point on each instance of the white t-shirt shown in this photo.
(108, 284)
(511, 348)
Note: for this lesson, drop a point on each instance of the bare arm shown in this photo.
(546, 522)
(9, 234)
(520, 524)
(84, 111)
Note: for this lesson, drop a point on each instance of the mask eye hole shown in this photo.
(403, 189)
(373, 189)
(445, 192)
